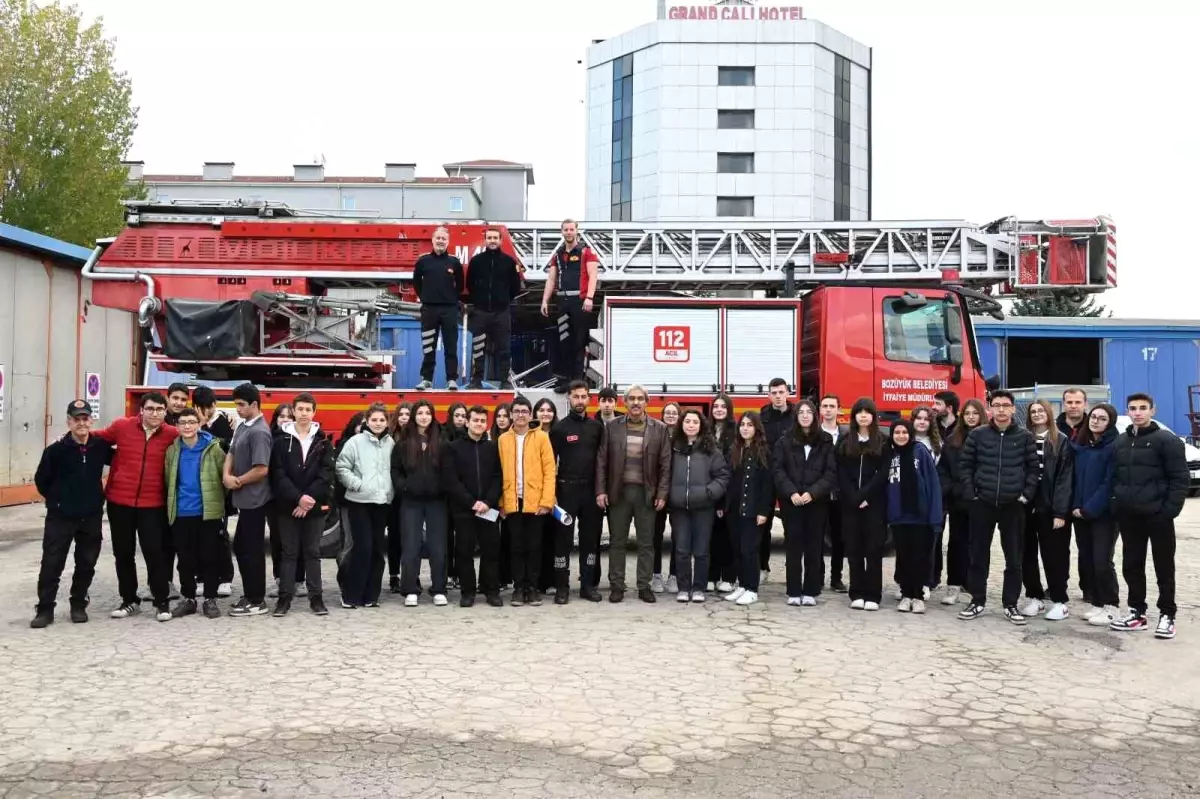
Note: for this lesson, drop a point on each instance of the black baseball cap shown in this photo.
(78, 408)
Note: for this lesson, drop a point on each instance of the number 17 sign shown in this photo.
(673, 344)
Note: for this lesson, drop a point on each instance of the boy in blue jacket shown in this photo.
(914, 511)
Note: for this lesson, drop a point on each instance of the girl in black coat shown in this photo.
(722, 566)
(1046, 518)
(863, 457)
(805, 474)
(748, 502)
(956, 505)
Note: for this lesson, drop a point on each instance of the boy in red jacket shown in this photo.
(137, 501)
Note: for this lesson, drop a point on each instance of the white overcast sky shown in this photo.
(1033, 108)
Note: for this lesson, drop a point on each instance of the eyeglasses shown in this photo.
(521, 411)
(154, 410)
(1002, 406)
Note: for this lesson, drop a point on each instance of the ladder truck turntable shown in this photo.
(249, 292)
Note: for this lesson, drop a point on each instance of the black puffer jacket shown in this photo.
(750, 492)
(797, 473)
(1058, 475)
(863, 477)
(1150, 476)
(698, 479)
(999, 467)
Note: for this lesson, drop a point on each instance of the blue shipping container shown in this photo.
(402, 334)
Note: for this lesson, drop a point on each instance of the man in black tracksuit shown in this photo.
(1150, 483)
(473, 481)
(438, 281)
(778, 416)
(69, 477)
(493, 282)
(1000, 471)
(576, 440)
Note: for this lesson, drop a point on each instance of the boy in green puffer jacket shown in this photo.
(195, 507)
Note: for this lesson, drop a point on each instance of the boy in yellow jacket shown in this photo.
(527, 463)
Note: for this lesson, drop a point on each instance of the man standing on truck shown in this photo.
(438, 281)
(246, 468)
(576, 440)
(777, 420)
(573, 276)
(137, 503)
(493, 282)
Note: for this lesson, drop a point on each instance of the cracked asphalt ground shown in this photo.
(591, 700)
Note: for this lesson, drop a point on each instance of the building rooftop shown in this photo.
(448, 181)
(37, 244)
(490, 163)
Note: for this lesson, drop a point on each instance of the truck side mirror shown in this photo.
(955, 353)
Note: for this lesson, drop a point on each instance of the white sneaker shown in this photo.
(724, 587)
(951, 597)
(656, 584)
(1033, 607)
(125, 611)
(682, 596)
(1091, 611)
(735, 594)
(225, 589)
(1104, 616)
(858, 604)
(905, 605)
(697, 596)
(918, 606)
(747, 598)
(410, 601)
(163, 615)
(712, 586)
(672, 584)
(764, 577)
(808, 601)
(1058, 611)
(871, 606)
(793, 601)
(301, 590)
(439, 600)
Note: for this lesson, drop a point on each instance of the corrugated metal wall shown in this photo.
(1161, 367)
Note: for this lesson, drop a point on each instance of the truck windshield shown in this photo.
(915, 335)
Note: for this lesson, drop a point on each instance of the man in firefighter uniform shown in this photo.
(438, 281)
(576, 439)
(572, 275)
(493, 282)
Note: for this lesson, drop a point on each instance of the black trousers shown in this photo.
(423, 524)
(1157, 532)
(130, 526)
(57, 537)
(764, 544)
(549, 549)
(199, 547)
(722, 565)
(526, 530)
(437, 319)
(804, 536)
(505, 553)
(364, 574)
(451, 549)
(661, 517)
(574, 327)
(864, 531)
(837, 546)
(251, 558)
(579, 500)
(745, 532)
(934, 578)
(301, 539)
(225, 562)
(394, 539)
(985, 518)
(1097, 542)
(1055, 548)
(958, 548)
(914, 548)
(491, 340)
(1083, 559)
(273, 525)
(471, 530)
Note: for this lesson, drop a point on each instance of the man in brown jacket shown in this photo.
(633, 476)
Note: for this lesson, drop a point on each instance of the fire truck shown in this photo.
(260, 292)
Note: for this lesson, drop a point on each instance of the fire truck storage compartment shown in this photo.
(655, 345)
(205, 331)
(401, 335)
(760, 344)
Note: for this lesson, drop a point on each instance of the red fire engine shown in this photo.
(232, 292)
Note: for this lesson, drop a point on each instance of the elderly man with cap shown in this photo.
(69, 477)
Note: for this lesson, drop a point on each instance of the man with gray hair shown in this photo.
(633, 476)
(438, 281)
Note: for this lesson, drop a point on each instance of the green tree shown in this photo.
(66, 121)
(1058, 305)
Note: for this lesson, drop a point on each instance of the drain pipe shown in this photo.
(150, 305)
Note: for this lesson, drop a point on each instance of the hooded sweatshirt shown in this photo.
(301, 465)
(904, 504)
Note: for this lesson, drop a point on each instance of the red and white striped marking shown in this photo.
(1111, 260)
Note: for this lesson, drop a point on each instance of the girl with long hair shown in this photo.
(545, 416)
(415, 473)
(805, 474)
(748, 502)
(670, 417)
(699, 477)
(955, 502)
(396, 423)
(722, 565)
(501, 421)
(353, 427)
(400, 417)
(456, 422)
(863, 458)
(1091, 513)
(282, 414)
(1046, 517)
(454, 429)
(363, 467)
(914, 511)
(926, 429)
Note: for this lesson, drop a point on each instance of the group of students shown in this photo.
(513, 484)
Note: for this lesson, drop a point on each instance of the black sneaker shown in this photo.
(495, 600)
(211, 611)
(466, 601)
(79, 615)
(317, 605)
(646, 595)
(251, 609)
(533, 598)
(282, 607)
(616, 596)
(240, 608)
(971, 611)
(348, 605)
(562, 597)
(185, 608)
(44, 618)
(837, 586)
(454, 583)
(395, 583)
(1012, 614)
(518, 598)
